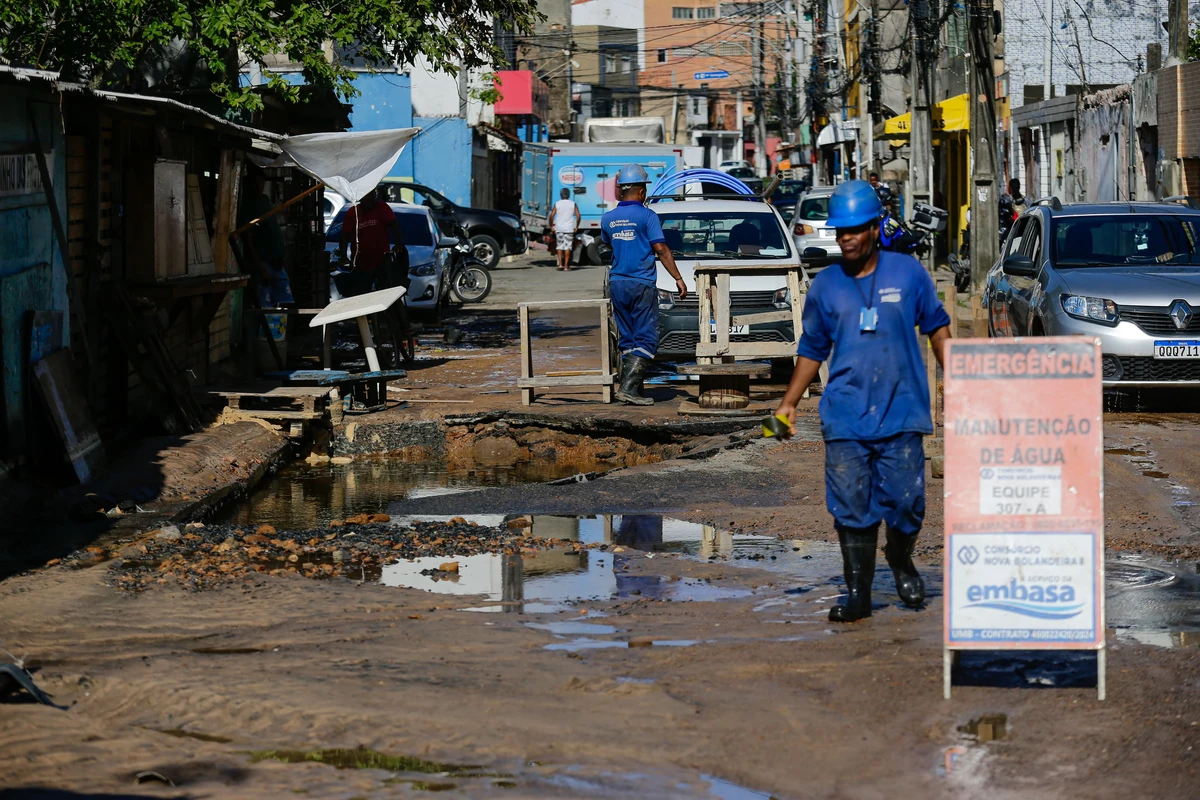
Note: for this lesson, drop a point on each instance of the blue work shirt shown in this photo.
(632, 229)
(877, 387)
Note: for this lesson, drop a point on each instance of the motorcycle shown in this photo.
(960, 264)
(470, 280)
(912, 237)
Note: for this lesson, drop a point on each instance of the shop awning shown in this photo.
(951, 114)
(845, 130)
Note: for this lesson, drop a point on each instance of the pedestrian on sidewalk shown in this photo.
(636, 238)
(564, 219)
(875, 406)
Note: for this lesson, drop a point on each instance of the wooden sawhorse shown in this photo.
(602, 378)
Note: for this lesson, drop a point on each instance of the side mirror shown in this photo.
(1019, 265)
(814, 254)
(447, 241)
(605, 252)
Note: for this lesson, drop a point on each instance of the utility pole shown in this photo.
(1047, 64)
(760, 117)
(1177, 32)
(924, 22)
(872, 83)
(985, 214)
(674, 110)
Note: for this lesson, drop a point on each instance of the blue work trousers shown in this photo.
(866, 482)
(635, 305)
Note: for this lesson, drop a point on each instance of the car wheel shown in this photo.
(486, 249)
(592, 251)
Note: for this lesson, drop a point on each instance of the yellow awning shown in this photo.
(952, 114)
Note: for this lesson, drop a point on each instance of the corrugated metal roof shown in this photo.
(122, 98)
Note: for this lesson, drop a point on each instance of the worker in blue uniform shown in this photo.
(636, 238)
(875, 406)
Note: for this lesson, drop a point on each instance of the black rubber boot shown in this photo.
(898, 551)
(858, 565)
(632, 372)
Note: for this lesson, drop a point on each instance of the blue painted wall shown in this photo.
(439, 157)
(32, 275)
(385, 102)
(442, 156)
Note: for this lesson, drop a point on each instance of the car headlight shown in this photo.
(1093, 309)
(512, 222)
(800, 229)
(783, 298)
(423, 270)
(666, 299)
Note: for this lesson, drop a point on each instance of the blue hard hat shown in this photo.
(631, 174)
(852, 204)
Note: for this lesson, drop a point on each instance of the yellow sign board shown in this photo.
(952, 114)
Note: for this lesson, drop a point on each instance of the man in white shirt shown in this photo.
(564, 219)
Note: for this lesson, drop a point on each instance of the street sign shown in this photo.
(1024, 520)
(710, 76)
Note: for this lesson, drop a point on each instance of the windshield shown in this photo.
(1125, 241)
(814, 208)
(785, 192)
(724, 234)
(413, 227)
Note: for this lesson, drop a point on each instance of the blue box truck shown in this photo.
(589, 171)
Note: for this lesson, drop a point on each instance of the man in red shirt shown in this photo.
(371, 232)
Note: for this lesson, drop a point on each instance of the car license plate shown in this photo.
(734, 330)
(827, 233)
(1177, 348)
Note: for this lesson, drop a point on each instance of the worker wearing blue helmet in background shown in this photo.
(861, 315)
(636, 238)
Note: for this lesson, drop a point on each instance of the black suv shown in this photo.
(493, 233)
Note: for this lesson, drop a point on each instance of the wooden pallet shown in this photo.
(308, 399)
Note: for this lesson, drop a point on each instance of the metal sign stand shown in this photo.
(1024, 519)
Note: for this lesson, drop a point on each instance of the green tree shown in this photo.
(109, 43)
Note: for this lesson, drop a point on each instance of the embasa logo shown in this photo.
(1042, 602)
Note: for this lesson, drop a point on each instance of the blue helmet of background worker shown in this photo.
(854, 204)
(632, 175)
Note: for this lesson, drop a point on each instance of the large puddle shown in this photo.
(1149, 600)
(304, 496)
(550, 580)
(1153, 601)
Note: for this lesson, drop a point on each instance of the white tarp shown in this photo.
(350, 163)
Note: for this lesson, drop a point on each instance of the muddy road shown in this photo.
(671, 643)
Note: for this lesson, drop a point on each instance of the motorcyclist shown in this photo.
(1012, 205)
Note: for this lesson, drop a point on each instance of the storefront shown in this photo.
(951, 159)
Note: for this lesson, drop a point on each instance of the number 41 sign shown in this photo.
(1024, 550)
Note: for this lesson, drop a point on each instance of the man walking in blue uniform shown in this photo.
(875, 406)
(636, 238)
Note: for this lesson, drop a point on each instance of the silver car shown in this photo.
(815, 240)
(1128, 273)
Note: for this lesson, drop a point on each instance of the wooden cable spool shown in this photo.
(724, 391)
